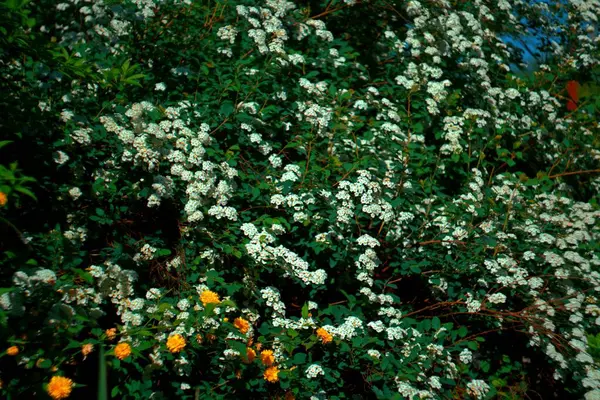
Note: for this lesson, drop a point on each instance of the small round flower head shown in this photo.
(3, 199)
(60, 387)
(209, 297)
(271, 374)
(250, 355)
(122, 350)
(12, 351)
(86, 349)
(175, 343)
(324, 335)
(267, 357)
(111, 333)
(242, 325)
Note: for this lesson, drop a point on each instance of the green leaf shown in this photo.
(226, 108)
(26, 191)
(305, 310)
(299, 358)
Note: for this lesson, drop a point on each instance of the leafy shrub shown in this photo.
(238, 200)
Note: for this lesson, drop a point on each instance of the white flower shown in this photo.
(61, 157)
(75, 193)
(314, 370)
(497, 298)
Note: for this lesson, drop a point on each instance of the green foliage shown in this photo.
(364, 188)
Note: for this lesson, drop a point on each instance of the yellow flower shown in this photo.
(175, 343)
(12, 351)
(242, 325)
(324, 335)
(267, 357)
(86, 349)
(250, 355)
(208, 297)
(111, 333)
(60, 387)
(122, 350)
(226, 319)
(3, 199)
(271, 374)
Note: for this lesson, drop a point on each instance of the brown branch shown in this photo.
(589, 171)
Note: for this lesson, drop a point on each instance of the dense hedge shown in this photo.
(311, 200)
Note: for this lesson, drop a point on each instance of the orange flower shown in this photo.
(3, 199)
(60, 387)
(175, 343)
(250, 355)
(86, 349)
(199, 338)
(122, 350)
(324, 335)
(267, 357)
(12, 351)
(258, 346)
(111, 333)
(242, 325)
(271, 374)
(289, 396)
(209, 297)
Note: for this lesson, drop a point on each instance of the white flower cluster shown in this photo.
(314, 370)
(261, 251)
(173, 148)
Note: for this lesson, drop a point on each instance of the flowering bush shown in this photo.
(312, 200)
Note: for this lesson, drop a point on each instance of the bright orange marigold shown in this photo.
(12, 351)
(209, 297)
(267, 357)
(175, 343)
(3, 199)
(122, 350)
(271, 374)
(60, 387)
(242, 325)
(324, 335)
